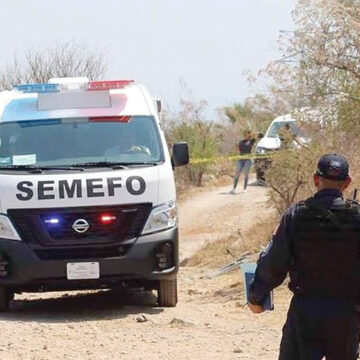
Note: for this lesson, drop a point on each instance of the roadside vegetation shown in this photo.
(230, 248)
(319, 74)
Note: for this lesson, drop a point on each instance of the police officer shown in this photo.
(317, 243)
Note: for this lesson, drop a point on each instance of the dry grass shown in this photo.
(219, 173)
(229, 248)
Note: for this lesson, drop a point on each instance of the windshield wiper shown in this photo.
(145, 163)
(39, 169)
(112, 164)
(70, 167)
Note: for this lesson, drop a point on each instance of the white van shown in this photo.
(87, 193)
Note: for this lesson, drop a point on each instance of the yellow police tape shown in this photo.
(232, 157)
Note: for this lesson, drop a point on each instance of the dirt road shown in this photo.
(209, 322)
(213, 214)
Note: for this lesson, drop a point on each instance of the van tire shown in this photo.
(167, 293)
(5, 297)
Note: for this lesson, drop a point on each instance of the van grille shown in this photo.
(60, 240)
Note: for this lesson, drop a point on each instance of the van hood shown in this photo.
(269, 143)
(88, 188)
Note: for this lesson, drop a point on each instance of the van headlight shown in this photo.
(7, 230)
(161, 218)
(261, 150)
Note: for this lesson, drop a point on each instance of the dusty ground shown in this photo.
(213, 214)
(210, 321)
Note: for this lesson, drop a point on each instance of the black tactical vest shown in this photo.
(326, 249)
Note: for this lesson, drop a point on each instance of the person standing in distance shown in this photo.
(317, 243)
(286, 137)
(244, 147)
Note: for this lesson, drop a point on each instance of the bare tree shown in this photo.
(190, 125)
(61, 60)
(319, 71)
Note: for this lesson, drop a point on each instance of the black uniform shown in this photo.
(317, 243)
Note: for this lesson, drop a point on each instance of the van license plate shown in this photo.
(83, 270)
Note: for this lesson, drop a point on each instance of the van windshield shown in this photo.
(277, 126)
(70, 141)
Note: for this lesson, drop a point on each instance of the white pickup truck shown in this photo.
(272, 142)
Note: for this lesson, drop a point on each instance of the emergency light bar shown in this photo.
(90, 86)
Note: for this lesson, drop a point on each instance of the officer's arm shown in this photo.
(273, 262)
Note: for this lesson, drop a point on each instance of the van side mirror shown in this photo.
(180, 154)
(260, 135)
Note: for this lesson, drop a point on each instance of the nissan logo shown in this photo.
(80, 225)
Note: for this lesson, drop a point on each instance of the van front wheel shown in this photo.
(167, 293)
(5, 297)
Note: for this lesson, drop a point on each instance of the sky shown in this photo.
(208, 44)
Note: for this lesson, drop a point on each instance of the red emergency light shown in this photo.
(101, 119)
(107, 219)
(108, 85)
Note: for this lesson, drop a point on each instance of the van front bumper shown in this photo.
(25, 271)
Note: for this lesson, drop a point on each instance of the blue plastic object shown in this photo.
(248, 270)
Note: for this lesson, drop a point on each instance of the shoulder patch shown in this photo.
(267, 249)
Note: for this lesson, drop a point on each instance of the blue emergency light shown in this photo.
(51, 221)
(37, 88)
